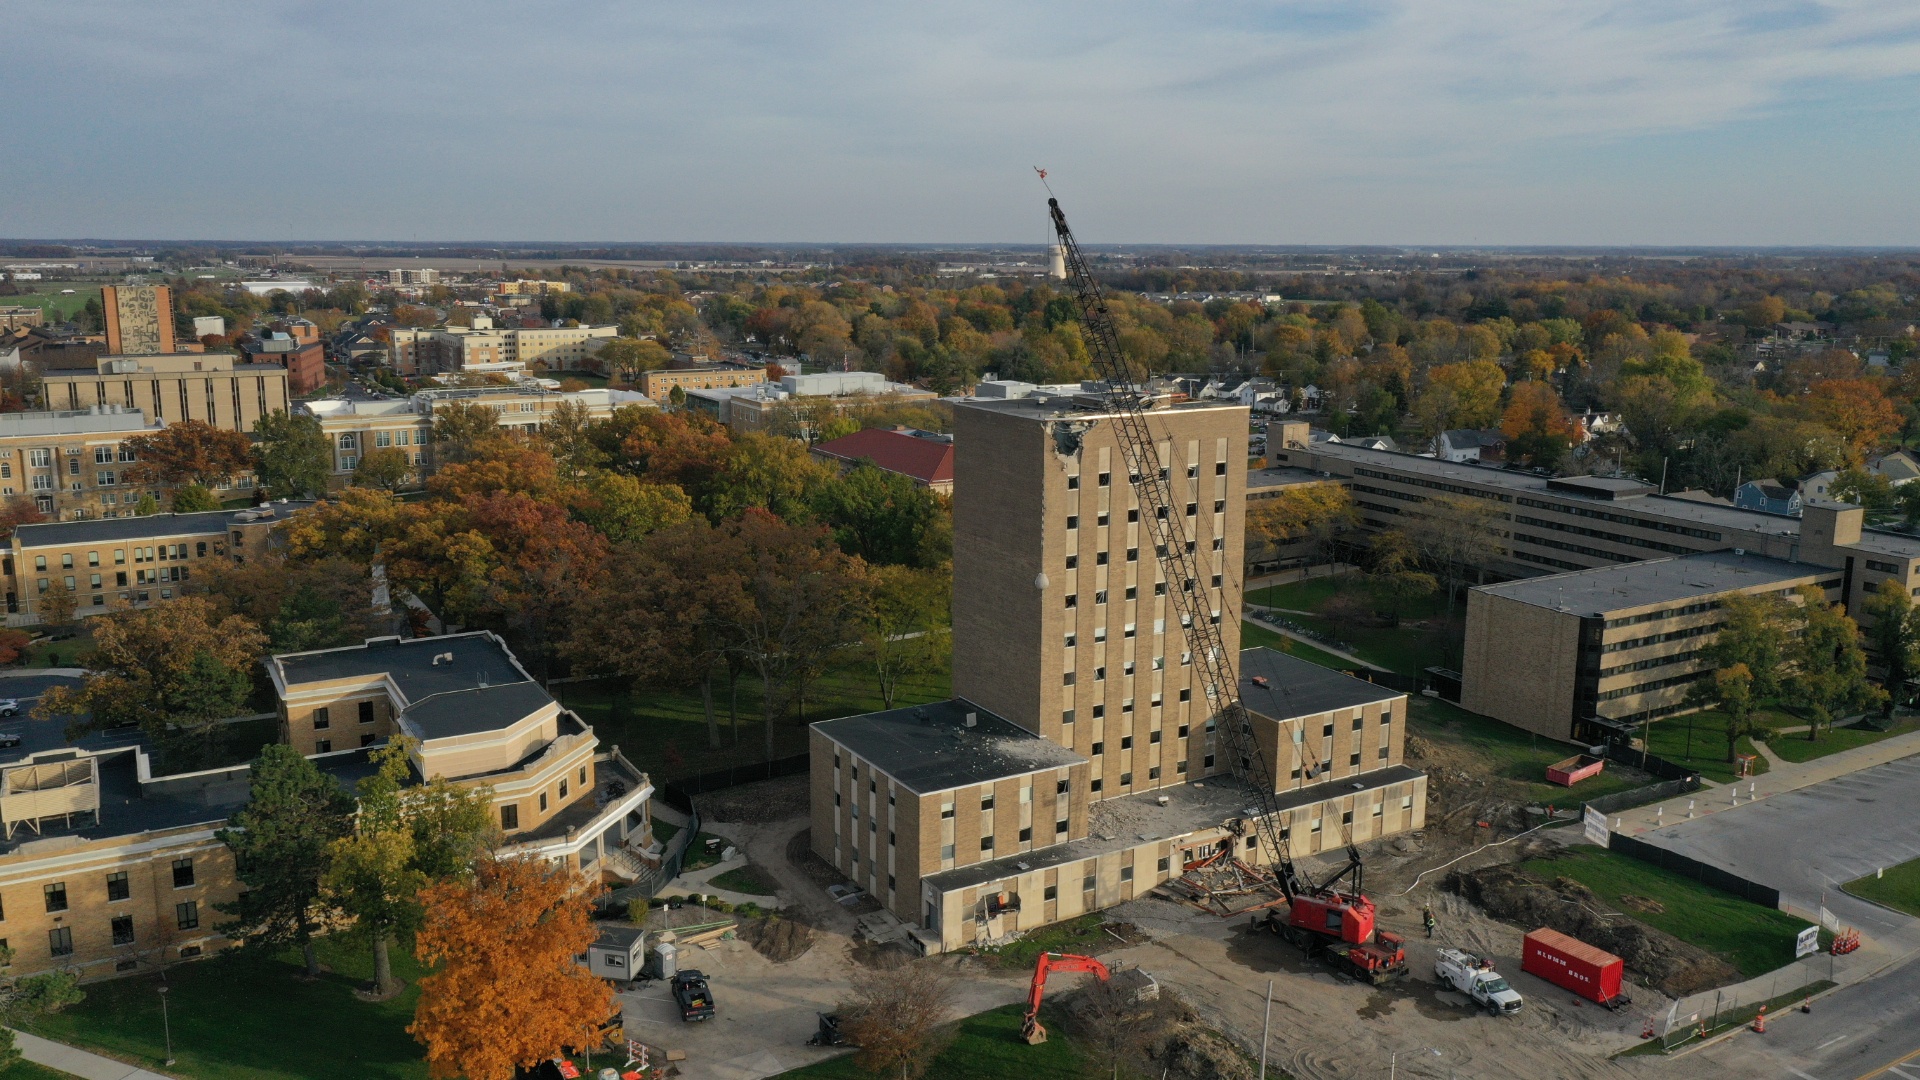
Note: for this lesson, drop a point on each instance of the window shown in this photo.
(103, 455)
(543, 802)
(182, 873)
(39, 562)
(123, 930)
(1126, 779)
(1096, 785)
(1126, 873)
(322, 719)
(40, 459)
(60, 941)
(1359, 722)
(986, 803)
(1059, 827)
(1073, 483)
(1100, 519)
(1181, 767)
(563, 789)
(1104, 477)
(583, 778)
(509, 817)
(56, 894)
(1186, 695)
(946, 810)
(1153, 736)
(1052, 892)
(323, 746)
(1207, 762)
(1071, 640)
(1066, 716)
(1353, 758)
(1060, 787)
(1073, 521)
(946, 851)
(1087, 883)
(1026, 834)
(1073, 561)
(117, 888)
(1067, 679)
(187, 915)
(1100, 597)
(986, 843)
(1072, 600)
(368, 738)
(1126, 742)
(366, 712)
(1219, 468)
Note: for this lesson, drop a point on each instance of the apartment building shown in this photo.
(476, 717)
(355, 426)
(1057, 779)
(531, 288)
(1589, 655)
(455, 350)
(216, 388)
(798, 402)
(110, 564)
(558, 348)
(658, 384)
(19, 317)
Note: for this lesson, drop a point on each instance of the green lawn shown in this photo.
(1795, 746)
(27, 1070)
(665, 732)
(747, 879)
(247, 1018)
(698, 857)
(1898, 887)
(1253, 635)
(66, 652)
(1403, 648)
(1077, 935)
(46, 296)
(1509, 752)
(1669, 739)
(1752, 938)
(986, 1046)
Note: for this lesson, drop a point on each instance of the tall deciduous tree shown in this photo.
(1315, 516)
(1755, 632)
(176, 670)
(194, 499)
(189, 452)
(904, 621)
(383, 467)
(897, 1018)
(884, 517)
(507, 990)
(625, 509)
(1895, 633)
(279, 842)
(460, 428)
(774, 474)
(1730, 689)
(1828, 667)
(1456, 535)
(404, 839)
(293, 457)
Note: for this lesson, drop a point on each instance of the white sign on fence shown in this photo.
(1807, 943)
(1827, 920)
(1595, 824)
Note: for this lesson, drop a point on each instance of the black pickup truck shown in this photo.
(696, 1001)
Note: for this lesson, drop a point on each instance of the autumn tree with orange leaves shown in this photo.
(1857, 410)
(507, 990)
(1536, 424)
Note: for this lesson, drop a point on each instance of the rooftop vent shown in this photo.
(972, 719)
(440, 658)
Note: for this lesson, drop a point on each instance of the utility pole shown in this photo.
(1266, 1025)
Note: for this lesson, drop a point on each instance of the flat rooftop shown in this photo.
(453, 713)
(419, 667)
(1283, 476)
(1298, 688)
(1655, 581)
(115, 530)
(1120, 823)
(930, 748)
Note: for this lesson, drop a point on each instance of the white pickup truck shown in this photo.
(1476, 978)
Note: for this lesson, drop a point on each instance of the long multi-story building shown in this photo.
(71, 464)
(356, 426)
(1590, 654)
(484, 349)
(171, 387)
(112, 564)
(139, 319)
(1058, 779)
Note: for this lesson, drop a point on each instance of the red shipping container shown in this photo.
(1568, 962)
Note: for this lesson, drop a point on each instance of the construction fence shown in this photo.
(680, 793)
(1690, 867)
(1640, 796)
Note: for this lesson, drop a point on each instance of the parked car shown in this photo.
(9, 707)
(9, 740)
(695, 1000)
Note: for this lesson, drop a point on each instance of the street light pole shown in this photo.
(166, 1024)
(1266, 1025)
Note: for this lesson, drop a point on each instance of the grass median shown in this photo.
(1897, 887)
(985, 1046)
(1795, 746)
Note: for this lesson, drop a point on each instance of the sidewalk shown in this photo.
(1780, 778)
(76, 1062)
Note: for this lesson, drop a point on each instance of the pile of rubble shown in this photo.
(1223, 885)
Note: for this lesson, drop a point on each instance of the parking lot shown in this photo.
(1808, 842)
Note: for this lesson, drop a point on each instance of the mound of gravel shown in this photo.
(779, 940)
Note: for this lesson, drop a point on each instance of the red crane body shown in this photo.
(1031, 1030)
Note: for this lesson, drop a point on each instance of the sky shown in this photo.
(1400, 122)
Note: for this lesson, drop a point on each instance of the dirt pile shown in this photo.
(1162, 1037)
(758, 803)
(779, 940)
(1657, 959)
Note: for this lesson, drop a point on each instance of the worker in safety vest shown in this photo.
(1426, 916)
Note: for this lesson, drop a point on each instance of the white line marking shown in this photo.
(1801, 1075)
(1902, 1072)
(1830, 1042)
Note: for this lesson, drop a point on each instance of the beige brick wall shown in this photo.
(1011, 525)
(1519, 664)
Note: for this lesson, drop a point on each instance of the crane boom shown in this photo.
(1173, 548)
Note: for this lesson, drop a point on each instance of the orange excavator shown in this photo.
(1031, 1030)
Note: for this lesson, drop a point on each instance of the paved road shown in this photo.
(1806, 842)
(38, 735)
(1867, 1030)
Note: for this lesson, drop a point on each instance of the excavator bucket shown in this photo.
(1034, 1033)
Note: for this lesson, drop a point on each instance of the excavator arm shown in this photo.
(1031, 1030)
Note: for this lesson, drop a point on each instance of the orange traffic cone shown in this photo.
(1760, 1022)
(1807, 1005)
(1647, 1031)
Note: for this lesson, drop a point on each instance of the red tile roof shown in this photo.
(929, 461)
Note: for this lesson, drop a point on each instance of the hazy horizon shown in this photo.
(1444, 123)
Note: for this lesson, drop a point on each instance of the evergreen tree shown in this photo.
(279, 842)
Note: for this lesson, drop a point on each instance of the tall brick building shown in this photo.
(1057, 779)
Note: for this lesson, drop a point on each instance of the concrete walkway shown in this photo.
(1781, 777)
(76, 1062)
